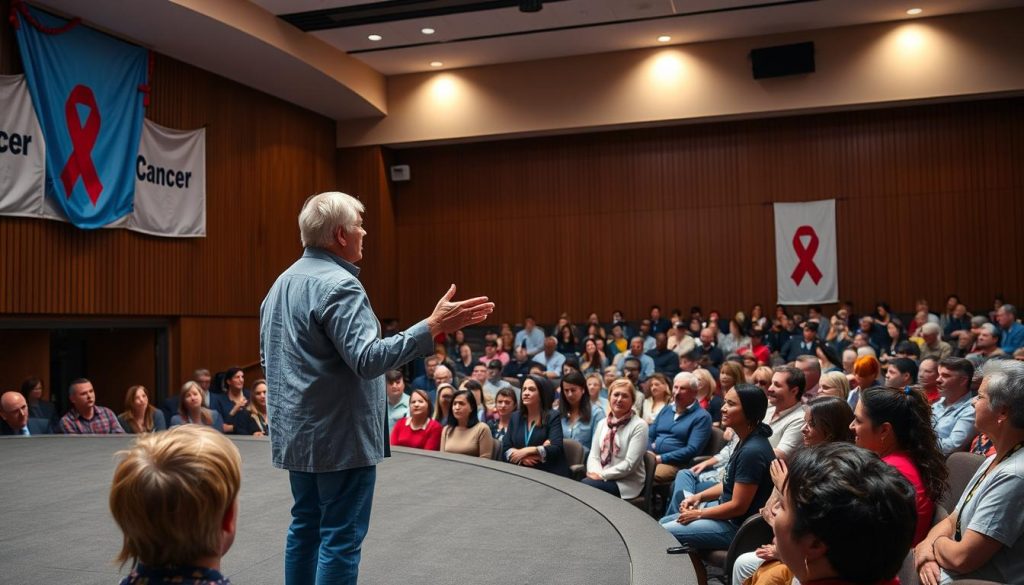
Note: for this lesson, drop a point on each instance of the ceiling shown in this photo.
(467, 34)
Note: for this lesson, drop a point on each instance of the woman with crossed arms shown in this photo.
(534, 436)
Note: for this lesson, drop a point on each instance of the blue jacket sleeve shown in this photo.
(700, 431)
(555, 449)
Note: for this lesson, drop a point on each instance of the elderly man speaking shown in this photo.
(321, 349)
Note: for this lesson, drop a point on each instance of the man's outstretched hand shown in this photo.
(450, 316)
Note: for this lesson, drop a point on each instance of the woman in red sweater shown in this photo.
(417, 430)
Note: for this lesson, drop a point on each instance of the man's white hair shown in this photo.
(687, 378)
(323, 214)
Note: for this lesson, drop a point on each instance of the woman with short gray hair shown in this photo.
(984, 536)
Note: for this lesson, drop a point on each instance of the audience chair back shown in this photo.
(962, 467)
(496, 451)
(573, 452)
(908, 572)
(645, 500)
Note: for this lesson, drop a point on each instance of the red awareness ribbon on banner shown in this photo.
(805, 254)
(83, 138)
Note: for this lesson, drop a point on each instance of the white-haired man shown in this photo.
(321, 347)
(933, 346)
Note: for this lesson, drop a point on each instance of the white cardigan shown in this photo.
(626, 468)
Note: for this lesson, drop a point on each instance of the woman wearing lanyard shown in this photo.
(984, 536)
(534, 436)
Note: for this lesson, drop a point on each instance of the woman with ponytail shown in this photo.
(897, 425)
(709, 519)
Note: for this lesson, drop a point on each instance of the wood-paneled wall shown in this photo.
(263, 158)
(928, 203)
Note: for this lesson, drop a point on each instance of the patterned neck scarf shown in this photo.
(608, 446)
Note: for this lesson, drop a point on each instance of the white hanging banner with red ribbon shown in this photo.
(805, 252)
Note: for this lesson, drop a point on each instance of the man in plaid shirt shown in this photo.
(85, 417)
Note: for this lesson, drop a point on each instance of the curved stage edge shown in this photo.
(437, 518)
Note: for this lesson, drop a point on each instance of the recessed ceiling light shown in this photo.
(427, 31)
(436, 64)
(914, 11)
(375, 38)
(664, 39)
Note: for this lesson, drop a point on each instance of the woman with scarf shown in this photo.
(616, 461)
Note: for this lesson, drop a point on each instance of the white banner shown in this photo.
(170, 183)
(805, 252)
(22, 150)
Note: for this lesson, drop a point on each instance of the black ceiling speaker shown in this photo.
(530, 5)
(783, 60)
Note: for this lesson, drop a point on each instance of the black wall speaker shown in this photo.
(783, 60)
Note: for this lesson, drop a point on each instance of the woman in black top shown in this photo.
(534, 436)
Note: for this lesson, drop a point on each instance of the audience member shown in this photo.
(897, 336)
(192, 411)
(200, 376)
(928, 378)
(844, 517)
(252, 421)
(443, 407)
(707, 395)
(983, 538)
(708, 347)
(834, 384)
(465, 361)
(757, 348)
(806, 344)
(900, 372)
(679, 340)
(827, 420)
(483, 402)
(933, 345)
(665, 360)
(616, 460)
(1011, 332)
(567, 344)
(849, 358)
(865, 375)
(735, 339)
(659, 324)
(492, 353)
(579, 416)
(592, 360)
(785, 414)
(139, 416)
(466, 434)
(418, 430)
(636, 352)
(894, 423)
(16, 420)
(661, 395)
(551, 359)
(32, 391)
(710, 519)
(505, 403)
(234, 399)
(530, 336)
(175, 498)
(952, 415)
(811, 368)
(85, 417)
(986, 345)
(518, 368)
(426, 381)
(398, 400)
(680, 431)
(598, 393)
(534, 436)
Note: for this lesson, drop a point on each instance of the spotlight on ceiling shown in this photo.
(530, 5)
(914, 11)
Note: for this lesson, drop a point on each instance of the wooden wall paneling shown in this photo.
(118, 359)
(216, 343)
(24, 353)
(680, 216)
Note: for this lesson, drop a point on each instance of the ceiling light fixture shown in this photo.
(914, 11)
(375, 38)
(664, 39)
(427, 31)
(436, 64)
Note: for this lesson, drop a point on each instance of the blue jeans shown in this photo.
(701, 534)
(330, 518)
(686, 484)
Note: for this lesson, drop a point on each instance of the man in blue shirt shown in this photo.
(531, 335)
(680, 431)
(953, 414)
(1012, 332)
(321, 348)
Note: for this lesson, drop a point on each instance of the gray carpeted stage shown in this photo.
(436, 519)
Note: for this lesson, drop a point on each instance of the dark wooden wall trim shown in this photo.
(929, 203)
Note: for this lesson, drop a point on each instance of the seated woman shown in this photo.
(32, 390)
(597, 392)
(234, 399)
(465, 362)
(483, 414)
(844, 517)
(534, 436)
(616, 460)
(661, 395)
(984, 536)
(417, 430)
(465, 433)
(578, 416)
(139, 415)
(253, 420)
(897, 425)
(834, 384)
(504, 405)
(592, 360)
(865, 375)
(707, 394)
(709, 519)
(445, 393)
(191, 410)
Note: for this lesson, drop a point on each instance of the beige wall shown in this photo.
(946, 57)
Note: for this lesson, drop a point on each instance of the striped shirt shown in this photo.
(103, 422)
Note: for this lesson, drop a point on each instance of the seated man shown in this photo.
(708, 347)
(953, 414)
(14, 412)
(665, 360)
(680, 431)
(551, 359)
(785, 413)
(495, 382)
(426, 380)
(636, 351)
(806, 344)
(986, 345)
(85, 417)
(900, 373)
(398, 401)
(519, 367)
(1011, 332)
(189, 472)
(531, 336)
(811, 367)
(933, 345)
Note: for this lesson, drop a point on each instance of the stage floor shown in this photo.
(436, 519)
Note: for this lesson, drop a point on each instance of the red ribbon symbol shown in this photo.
(83, 138)
(806, 255)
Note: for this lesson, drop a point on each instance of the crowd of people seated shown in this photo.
(786, 393)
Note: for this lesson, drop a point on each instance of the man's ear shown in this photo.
(230, 520)
(340, 237)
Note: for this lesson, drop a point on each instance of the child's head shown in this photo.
(174, 496)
